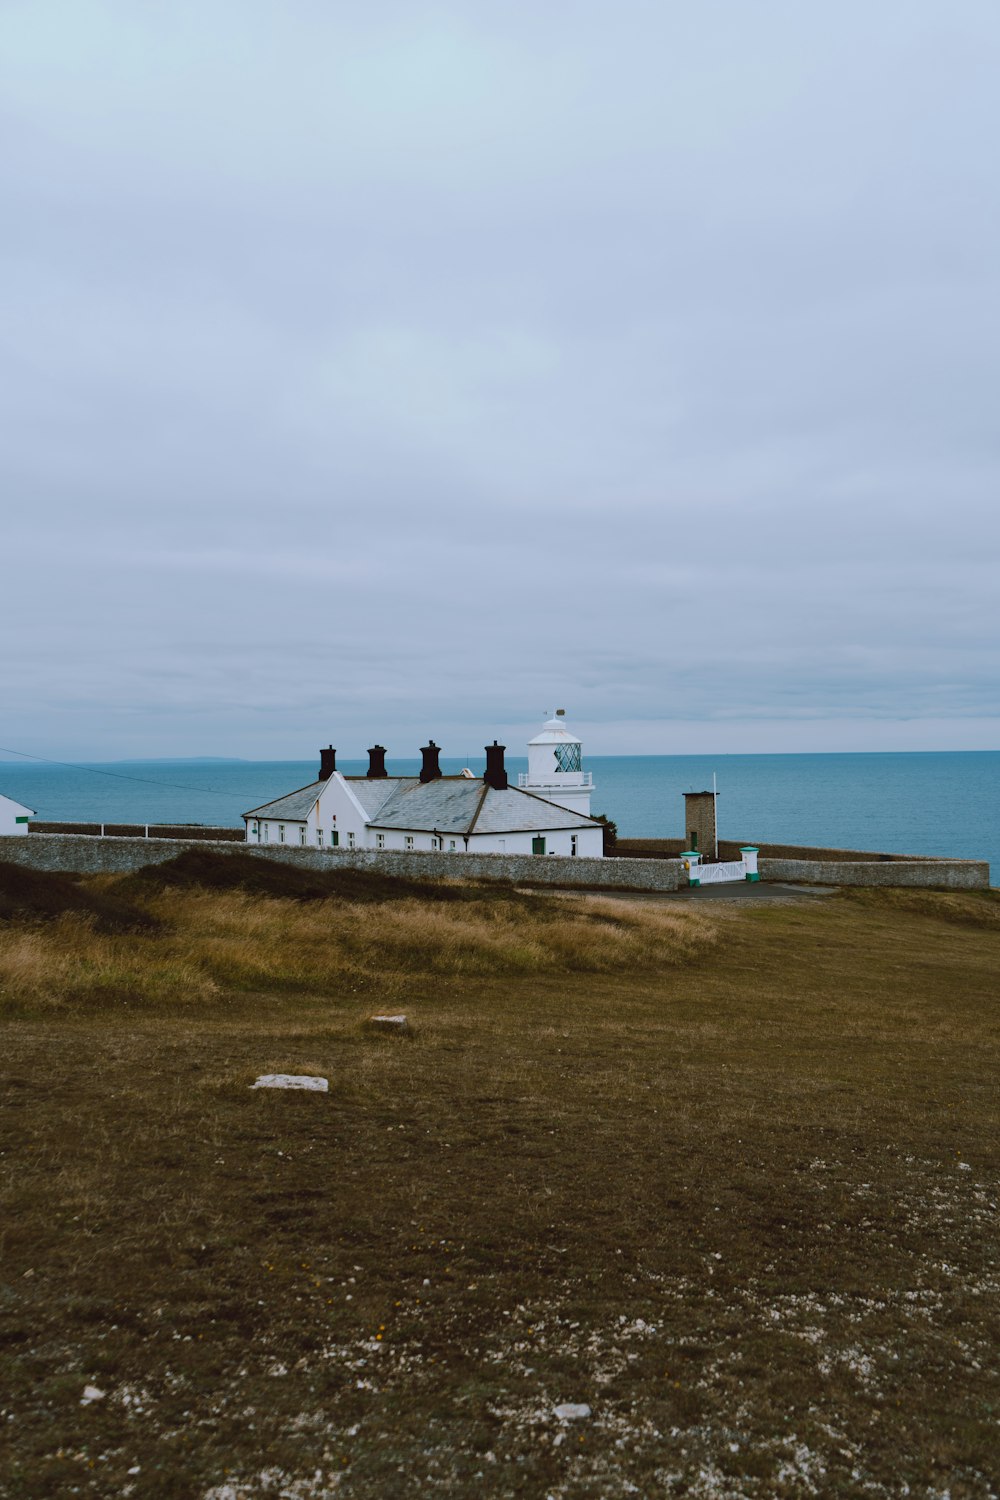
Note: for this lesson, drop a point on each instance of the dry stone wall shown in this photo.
(83, 855)
(952, 874)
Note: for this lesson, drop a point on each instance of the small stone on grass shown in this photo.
(396, 1025)
(571, 1411)
(291, 1081)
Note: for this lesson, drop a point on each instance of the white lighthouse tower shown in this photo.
(555, 767)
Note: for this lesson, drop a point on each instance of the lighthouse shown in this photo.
(555, 767)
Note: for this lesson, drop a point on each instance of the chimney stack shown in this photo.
(376, 763)
(496, 775)
(430, 770)
(327, 763)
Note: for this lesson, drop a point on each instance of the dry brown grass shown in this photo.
(741, 1202)
(966, 908)
(70, 964)
(207, 942)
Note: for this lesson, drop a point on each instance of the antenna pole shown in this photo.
(715, 820)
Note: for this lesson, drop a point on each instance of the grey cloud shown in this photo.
(440, 364)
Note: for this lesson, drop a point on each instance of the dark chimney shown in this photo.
(430, 770)
(376, 763)
(496, 776)
(327, 763)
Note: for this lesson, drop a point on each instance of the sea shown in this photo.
(933, 802)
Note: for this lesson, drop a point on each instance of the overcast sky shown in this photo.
(377, 371)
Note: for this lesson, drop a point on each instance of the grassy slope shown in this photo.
(717, 1194)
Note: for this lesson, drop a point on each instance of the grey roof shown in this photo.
(294, 806)
(374, 793)
(298, 805)
(447, 805)
(456, 804)
(513, 811)
(450, 804)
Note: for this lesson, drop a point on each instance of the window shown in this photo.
(574, 844)
(350, 841)
(568, 758)
(538, 846)
(437, 843)
(694, 838)
(256, 832)
(503, 846)
(409, 841)
(335, 838)
(319, 838)
(380, 841)
(267, 833)
(302, 833)
(451, 845)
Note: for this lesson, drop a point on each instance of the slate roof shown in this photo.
(295, 805)
(456, 804)
(514, 811)
(375, 792)
(449, 804)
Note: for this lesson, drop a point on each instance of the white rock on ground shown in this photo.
(91, 1393)
(571, 1411)
(291, 1081)
(389, 1023)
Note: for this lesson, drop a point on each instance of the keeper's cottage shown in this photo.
(548, 812)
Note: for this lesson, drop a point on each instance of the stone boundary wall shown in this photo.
(953, 874)
(82, 854)
(730, 849)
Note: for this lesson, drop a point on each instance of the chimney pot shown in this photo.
(327, 763)
(496, 775)
(376, 763)
(430, 770)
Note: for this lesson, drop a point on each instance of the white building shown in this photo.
(13, 817)
(451, 814)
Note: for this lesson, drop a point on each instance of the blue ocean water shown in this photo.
(945, 802)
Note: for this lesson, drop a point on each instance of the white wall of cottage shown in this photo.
(584, 842)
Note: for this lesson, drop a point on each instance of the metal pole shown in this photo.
(715, 820)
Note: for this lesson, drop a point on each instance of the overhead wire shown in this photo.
(67, 765)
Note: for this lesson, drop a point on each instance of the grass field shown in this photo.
(728, 1176)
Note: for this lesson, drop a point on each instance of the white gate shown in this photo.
(720, 874)
(724, 873)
